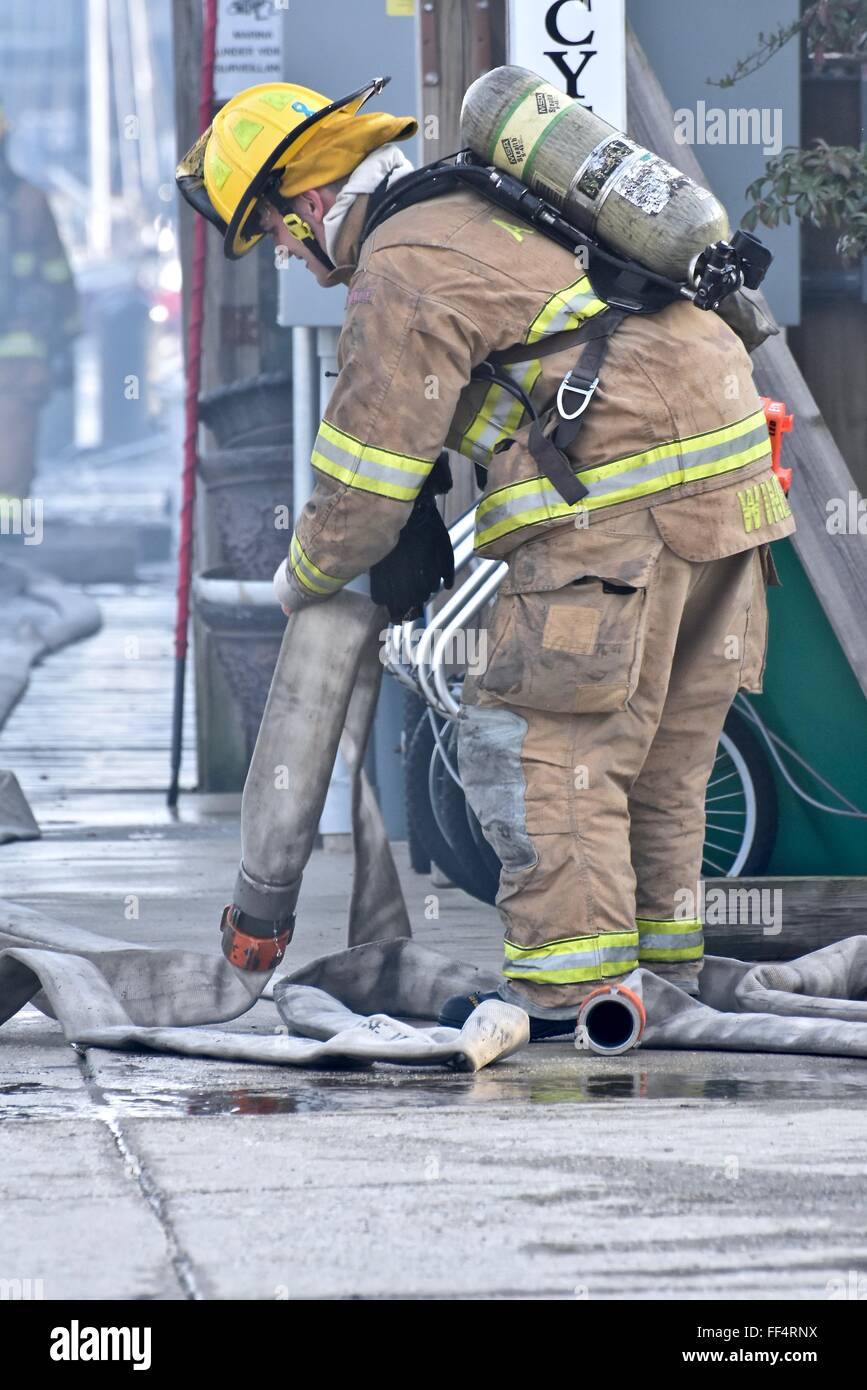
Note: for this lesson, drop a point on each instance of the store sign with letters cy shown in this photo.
(249, 45)
(577, 45)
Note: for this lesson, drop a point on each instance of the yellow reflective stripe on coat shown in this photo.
(500, 414)
(638, 475)
(362, 466)
(565, 310)
(23, 263)
(669, 941)
(56, 271)
(315, 580)
(573, 960)
(21, 345)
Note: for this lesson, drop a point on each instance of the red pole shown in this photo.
(191, 411)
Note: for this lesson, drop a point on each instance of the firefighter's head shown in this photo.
(280, 151)
(302, 229)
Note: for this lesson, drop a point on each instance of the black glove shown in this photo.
(423, 559)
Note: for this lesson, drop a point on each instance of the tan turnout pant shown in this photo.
(586, 745)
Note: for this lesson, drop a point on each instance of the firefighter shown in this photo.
(627, 621)
(38, 320)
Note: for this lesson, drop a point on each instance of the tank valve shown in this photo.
(611, 1020)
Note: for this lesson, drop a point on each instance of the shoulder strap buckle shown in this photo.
(577, 386)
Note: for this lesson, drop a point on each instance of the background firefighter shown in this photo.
(627, 622)
(38, 319)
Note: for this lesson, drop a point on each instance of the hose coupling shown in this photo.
(251, 943)
(611, 1019)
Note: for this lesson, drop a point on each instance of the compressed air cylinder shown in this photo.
(601, 181)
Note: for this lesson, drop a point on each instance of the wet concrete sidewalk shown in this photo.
(552, 1175)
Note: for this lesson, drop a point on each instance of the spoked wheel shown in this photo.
(740, 806)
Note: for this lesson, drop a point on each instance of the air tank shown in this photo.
(604, 183)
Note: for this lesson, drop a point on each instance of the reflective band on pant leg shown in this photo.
(669, 941)
(573, 960)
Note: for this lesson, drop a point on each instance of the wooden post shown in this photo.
(460, 39)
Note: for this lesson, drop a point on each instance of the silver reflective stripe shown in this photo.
(539, 495)
(311, 577)
(566, 310)
(403, 480)
(500, 412)
(543, 497)
(575, 960)
(670, 941)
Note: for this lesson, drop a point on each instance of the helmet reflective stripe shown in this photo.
(573, 959)
(704, 456)
(670, 941)
(363, 466)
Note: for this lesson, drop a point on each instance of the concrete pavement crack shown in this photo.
(139, 1173)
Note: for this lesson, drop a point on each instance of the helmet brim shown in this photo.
(235, 243)
(190, 179)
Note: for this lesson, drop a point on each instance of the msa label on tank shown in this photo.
(649, 184)
(524, 126)
(602, 163)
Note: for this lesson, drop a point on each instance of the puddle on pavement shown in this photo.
(33, 1100)
(383, 1089)
(552, 1075)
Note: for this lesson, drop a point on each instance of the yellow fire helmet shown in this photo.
(275, 141)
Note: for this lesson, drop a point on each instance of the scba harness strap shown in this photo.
(550, 451)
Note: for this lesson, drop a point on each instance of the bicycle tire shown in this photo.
(414, 710)
(451, 811)
(418, 804)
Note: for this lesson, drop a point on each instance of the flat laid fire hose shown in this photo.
(351, 1005)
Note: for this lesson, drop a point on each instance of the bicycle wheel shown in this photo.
(480, 872)
(740, 806)
(420, 812)
(414, 710)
